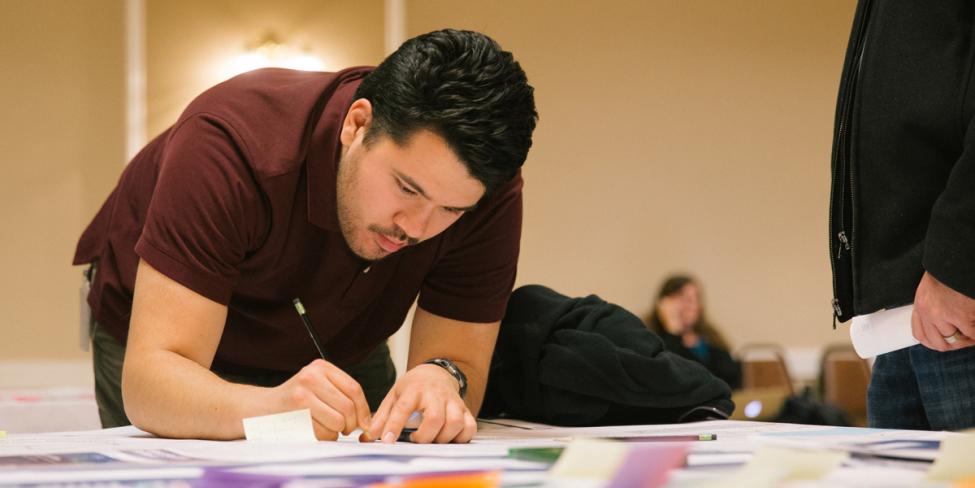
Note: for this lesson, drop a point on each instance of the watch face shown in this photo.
(454, 371)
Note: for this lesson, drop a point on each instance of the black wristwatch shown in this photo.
(453, 370)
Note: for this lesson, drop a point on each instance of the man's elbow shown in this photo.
(136, 392)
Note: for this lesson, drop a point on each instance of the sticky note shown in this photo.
(590, 459)
(288, 426)
(954, 462)
(648, 465)
(799, 464)
(3, 434)
(771, 466)
(794, 464)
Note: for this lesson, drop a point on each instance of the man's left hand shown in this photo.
(432, 391)
(940, 313)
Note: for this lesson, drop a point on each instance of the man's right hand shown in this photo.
(941, 312)
(169, 390)
(337, 402)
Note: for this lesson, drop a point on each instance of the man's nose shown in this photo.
(414, 221)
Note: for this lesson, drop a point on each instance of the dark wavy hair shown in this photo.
(463, 87)
(671, 286)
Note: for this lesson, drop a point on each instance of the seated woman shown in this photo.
(678, 318)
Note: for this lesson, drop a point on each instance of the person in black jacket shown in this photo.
(678, 318)
(902, 207)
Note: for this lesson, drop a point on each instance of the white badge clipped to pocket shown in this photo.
(84, 323)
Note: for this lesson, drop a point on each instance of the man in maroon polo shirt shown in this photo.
(353, 192)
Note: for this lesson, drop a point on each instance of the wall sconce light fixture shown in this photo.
(271, 52)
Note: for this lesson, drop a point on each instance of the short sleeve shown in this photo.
(472, 281)
(206, 212)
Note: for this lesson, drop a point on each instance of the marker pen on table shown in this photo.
(667, 438)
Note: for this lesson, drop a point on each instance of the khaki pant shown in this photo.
(375, 374)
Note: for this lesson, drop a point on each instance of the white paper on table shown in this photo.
(146, 451)
(288, 426)
(505, 424)
(393, 466)
(729, 432)
(864, 442)
(74, 476)
(260, 452)
(495, 443)
(127, 438)
(877, 476)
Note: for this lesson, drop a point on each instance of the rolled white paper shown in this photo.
(882, 332)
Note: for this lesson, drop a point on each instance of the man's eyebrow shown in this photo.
(419, 189)
(413, 184)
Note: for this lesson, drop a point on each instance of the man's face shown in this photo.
(392, 196)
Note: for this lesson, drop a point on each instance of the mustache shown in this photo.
(395, 233)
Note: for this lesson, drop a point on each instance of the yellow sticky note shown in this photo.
(771, 466)
(798, 464)
(954, 459)
(771, 477)
(3, 434)
(590, 459)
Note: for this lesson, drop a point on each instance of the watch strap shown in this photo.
(453, 370)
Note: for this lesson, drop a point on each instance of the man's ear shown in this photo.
(356, 119)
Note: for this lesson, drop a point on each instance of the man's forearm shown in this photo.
(476, 385)
(172, 396)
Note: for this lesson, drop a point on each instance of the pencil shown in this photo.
(318, 344)
(668, 438)
(311, 330)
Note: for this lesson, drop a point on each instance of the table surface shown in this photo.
(128, 456)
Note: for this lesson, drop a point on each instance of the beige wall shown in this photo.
(61, 146)
(674, 136)
(62, 127)
(189, 42)
(677, 135)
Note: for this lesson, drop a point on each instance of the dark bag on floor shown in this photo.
(585, 362)
(804, 409)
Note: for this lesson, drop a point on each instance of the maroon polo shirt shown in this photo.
(236, 201)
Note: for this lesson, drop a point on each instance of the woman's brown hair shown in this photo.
(671, 286)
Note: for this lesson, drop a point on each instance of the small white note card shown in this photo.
(286, 427)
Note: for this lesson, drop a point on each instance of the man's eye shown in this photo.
(406, 189)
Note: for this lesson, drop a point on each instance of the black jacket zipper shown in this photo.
(841, 215)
